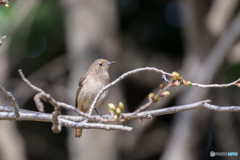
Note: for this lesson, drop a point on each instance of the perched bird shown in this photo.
(95, 78)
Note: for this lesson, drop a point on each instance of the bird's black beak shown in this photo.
(111, 63)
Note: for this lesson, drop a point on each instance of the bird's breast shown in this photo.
(89, 91)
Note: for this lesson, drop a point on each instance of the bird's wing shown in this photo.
(80, 84)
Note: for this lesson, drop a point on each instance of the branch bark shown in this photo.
(7, 113)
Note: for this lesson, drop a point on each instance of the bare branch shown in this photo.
(39, 104)
(29, 83)
(57, 127)
(73, 121)
(143, 108)
(221, 109)
(216, 85)
(169, 110)
(9, 96)
(44, 117)
(57, 110)
(121, 78)
(152, 100)
(107, 127)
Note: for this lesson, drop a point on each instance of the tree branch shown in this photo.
(216, 85)
(71, 121)
(9, 96)
(124, 76)
(44, 117)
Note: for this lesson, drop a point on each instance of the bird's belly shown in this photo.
(88, 94)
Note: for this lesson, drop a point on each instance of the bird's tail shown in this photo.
(78, 132)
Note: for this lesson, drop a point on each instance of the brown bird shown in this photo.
(95, 78)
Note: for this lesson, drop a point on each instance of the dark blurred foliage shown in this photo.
(147, 22)
(45, 41)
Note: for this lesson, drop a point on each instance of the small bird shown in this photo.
(95, 78)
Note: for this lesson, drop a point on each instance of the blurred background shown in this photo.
(54, 42)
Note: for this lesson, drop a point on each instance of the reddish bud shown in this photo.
(151, 96)
(187, 83)
(161, 86)
(165, 94)
(176, 83)
(175, 75)
(238, 85)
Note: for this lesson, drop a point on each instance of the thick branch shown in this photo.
(25, 115)
(44, 117)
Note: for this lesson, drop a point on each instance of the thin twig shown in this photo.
(143, 108)
(39, 104)
(29, 83)
(9, 96)
(221, 109)
(41, 94)
(121, 78)
(216, 85)
(151, 101)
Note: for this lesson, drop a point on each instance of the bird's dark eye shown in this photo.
(100, 64)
